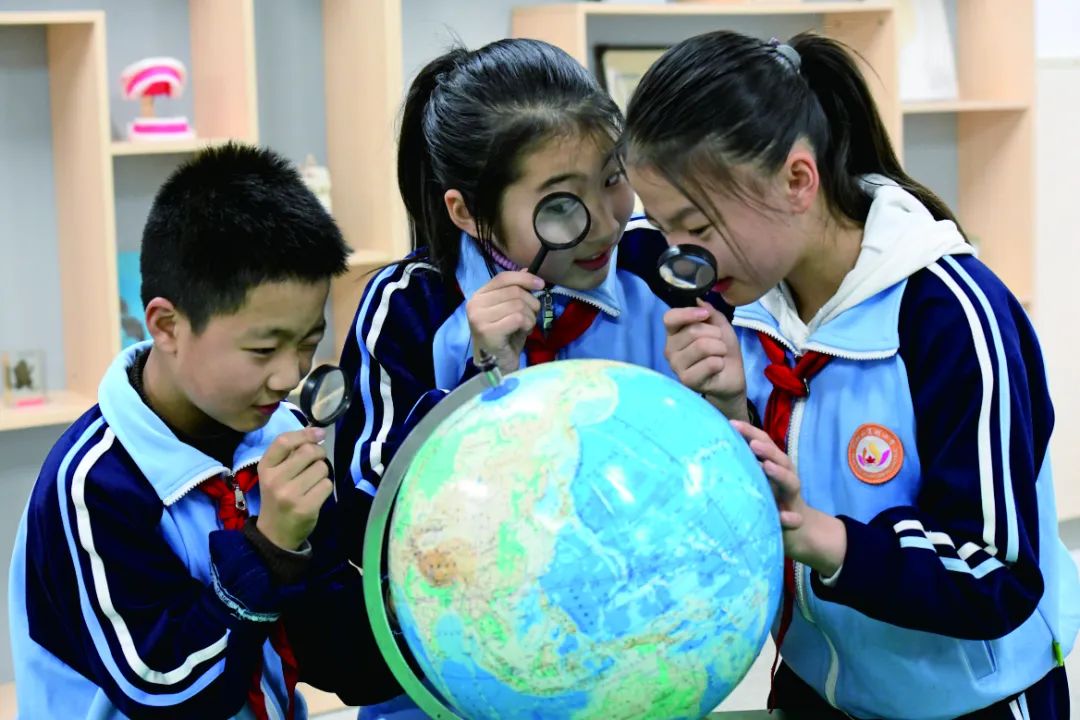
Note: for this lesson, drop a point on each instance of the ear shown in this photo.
(459, 213)
(800, 178)
(164, 322)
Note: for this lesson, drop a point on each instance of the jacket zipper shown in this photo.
(203, 477)
(801, 592)
(587, 300)
(824, 350)
(238, 494)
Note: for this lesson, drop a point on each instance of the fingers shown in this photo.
(285, 443)
(504, 295)
(513, 278)
(300, 460)
(678, 318)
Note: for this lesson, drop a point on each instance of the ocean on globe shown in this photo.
(590, 540)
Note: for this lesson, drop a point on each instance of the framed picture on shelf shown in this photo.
(620, 68)
(24, 377)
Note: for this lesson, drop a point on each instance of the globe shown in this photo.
(589, 539)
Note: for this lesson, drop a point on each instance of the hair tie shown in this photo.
(789, 54)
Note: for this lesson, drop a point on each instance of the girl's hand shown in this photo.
(501, 315)
(810, 536)
(703, 350)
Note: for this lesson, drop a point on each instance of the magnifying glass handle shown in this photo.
(538, 260)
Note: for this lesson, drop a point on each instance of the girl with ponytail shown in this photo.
(904, 403)
(485, 135)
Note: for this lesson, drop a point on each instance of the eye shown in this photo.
(698, 232)
(262, 352)
(615, 178)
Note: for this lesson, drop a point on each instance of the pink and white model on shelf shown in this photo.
(146, 80)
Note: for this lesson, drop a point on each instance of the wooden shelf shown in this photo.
(61, 408)
(125, 148)
(51, 18)
(964, 106)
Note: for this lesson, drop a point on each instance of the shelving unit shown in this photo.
(223, 84)
(867, 26)
(85, 227)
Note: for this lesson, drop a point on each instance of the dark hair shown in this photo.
(722, 98)
(469, 119)
(228, 220)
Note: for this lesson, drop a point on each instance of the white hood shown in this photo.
(900, 238)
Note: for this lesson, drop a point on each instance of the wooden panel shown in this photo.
(363, 94)
(86, 231)
(560, 25)
(873, 37)
(50, 18)
(996, 184)
(962, 106)
(345, 293)
(223, 69)
(995, 49)
(62, 408)
(121, 148)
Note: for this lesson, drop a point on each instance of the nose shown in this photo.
(604, 226)
(286, 374)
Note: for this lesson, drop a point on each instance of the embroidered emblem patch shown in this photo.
(875, 454)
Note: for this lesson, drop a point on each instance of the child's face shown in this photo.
(756, 248)
(587, 167)
(241, 366)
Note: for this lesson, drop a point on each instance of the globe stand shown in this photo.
(375, 534)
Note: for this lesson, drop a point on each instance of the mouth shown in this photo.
(268, 409)
(597, 261)
(723, 285)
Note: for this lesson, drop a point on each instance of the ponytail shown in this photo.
(429, 222)
(858, 143)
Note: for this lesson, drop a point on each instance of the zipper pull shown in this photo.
(238, 495)
(547, 308)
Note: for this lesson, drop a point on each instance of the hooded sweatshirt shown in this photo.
(926, 433)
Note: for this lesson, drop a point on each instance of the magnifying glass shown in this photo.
(689, 270)
(560, 221)
(326, 395)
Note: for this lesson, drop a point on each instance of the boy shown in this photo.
(176, 558)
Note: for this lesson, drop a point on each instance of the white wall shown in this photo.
(1057, 232)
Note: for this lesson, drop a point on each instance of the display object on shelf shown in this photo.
(146, 80)
(620, 69)
(24, 378)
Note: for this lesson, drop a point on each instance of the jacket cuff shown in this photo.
(867, 548)
(286, 567)
(241, 580)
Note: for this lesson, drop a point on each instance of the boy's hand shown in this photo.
(704, 352)
(810, 536)
(502, 314)
(294, 482)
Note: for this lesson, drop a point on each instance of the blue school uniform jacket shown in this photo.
(126, 599)
(927, 434)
